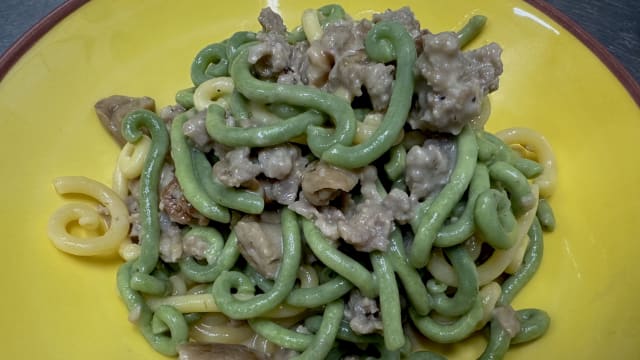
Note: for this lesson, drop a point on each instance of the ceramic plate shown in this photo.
(57, 306)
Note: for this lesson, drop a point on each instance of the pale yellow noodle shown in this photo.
(538, 144)
(178, 285)
(132, 157)
(320, 64)
(367, 127)
(261, 116)
(212, 89)
(129, 165)
(311, 25)
(193, 303)
(489, 295)
(499, 260)
(217, 328)
(199, 289)
(204, 303)
(120, 183)
(261, 345)
(516, 261)
(106, 243)
(128, 251)
(308, 276)
(342, 92)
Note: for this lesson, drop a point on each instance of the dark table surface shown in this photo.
(615, 23)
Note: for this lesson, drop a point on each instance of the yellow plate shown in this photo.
(56, 306)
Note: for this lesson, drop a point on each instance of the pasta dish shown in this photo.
(327, 191)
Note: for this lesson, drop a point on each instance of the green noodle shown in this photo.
(484, 201)
(132, 127)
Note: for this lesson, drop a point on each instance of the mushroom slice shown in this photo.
(113, 109)
(260, 242)
(323, 182)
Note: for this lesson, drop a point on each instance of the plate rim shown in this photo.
(11, 56)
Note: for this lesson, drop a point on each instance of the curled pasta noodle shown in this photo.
(85, 214)
(128, 250)
(308, 277)
(206, 303)
(489, 295)
(216, 328)
(499, 260)
(213, 91)
(192, 303)
(311, 25)
(129, 165)
(516, 261)
(132, 156)
(120, 183)
(226, 250)
(367, 127)
(538, 144)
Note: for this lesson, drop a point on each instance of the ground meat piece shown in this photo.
(270, 56)
(367, 226)
(200, 351)
(453, 82)
(277, 162)
(402, 207)
(236, 167)
(323, 182)
(179, 210)
(326, 218)
(285, 191)
(338, 61)
(429, 167)
(296, 71)
(508, 319)
(345, 37)
(369, 184)
(260, 242)
(170, 240)
(354, 72)
(112, 110)
(404, 16)
(368, 229)
(195, 246)
(173, 202)
(363, 314)
(271, 21)
(194, 128)
(169, 112)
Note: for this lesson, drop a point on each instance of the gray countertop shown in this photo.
(615, 23)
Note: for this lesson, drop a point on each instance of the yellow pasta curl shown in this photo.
(120, 183)
(311, 25)
(132, 157)
(210, 90)
(534, 142)
(217, 328)
(88, 217)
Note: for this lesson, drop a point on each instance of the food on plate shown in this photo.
(327, 191)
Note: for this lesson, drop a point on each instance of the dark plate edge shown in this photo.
(610, 61)
(26, 41)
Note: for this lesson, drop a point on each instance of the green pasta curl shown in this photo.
(132, 126)
(384, 137)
